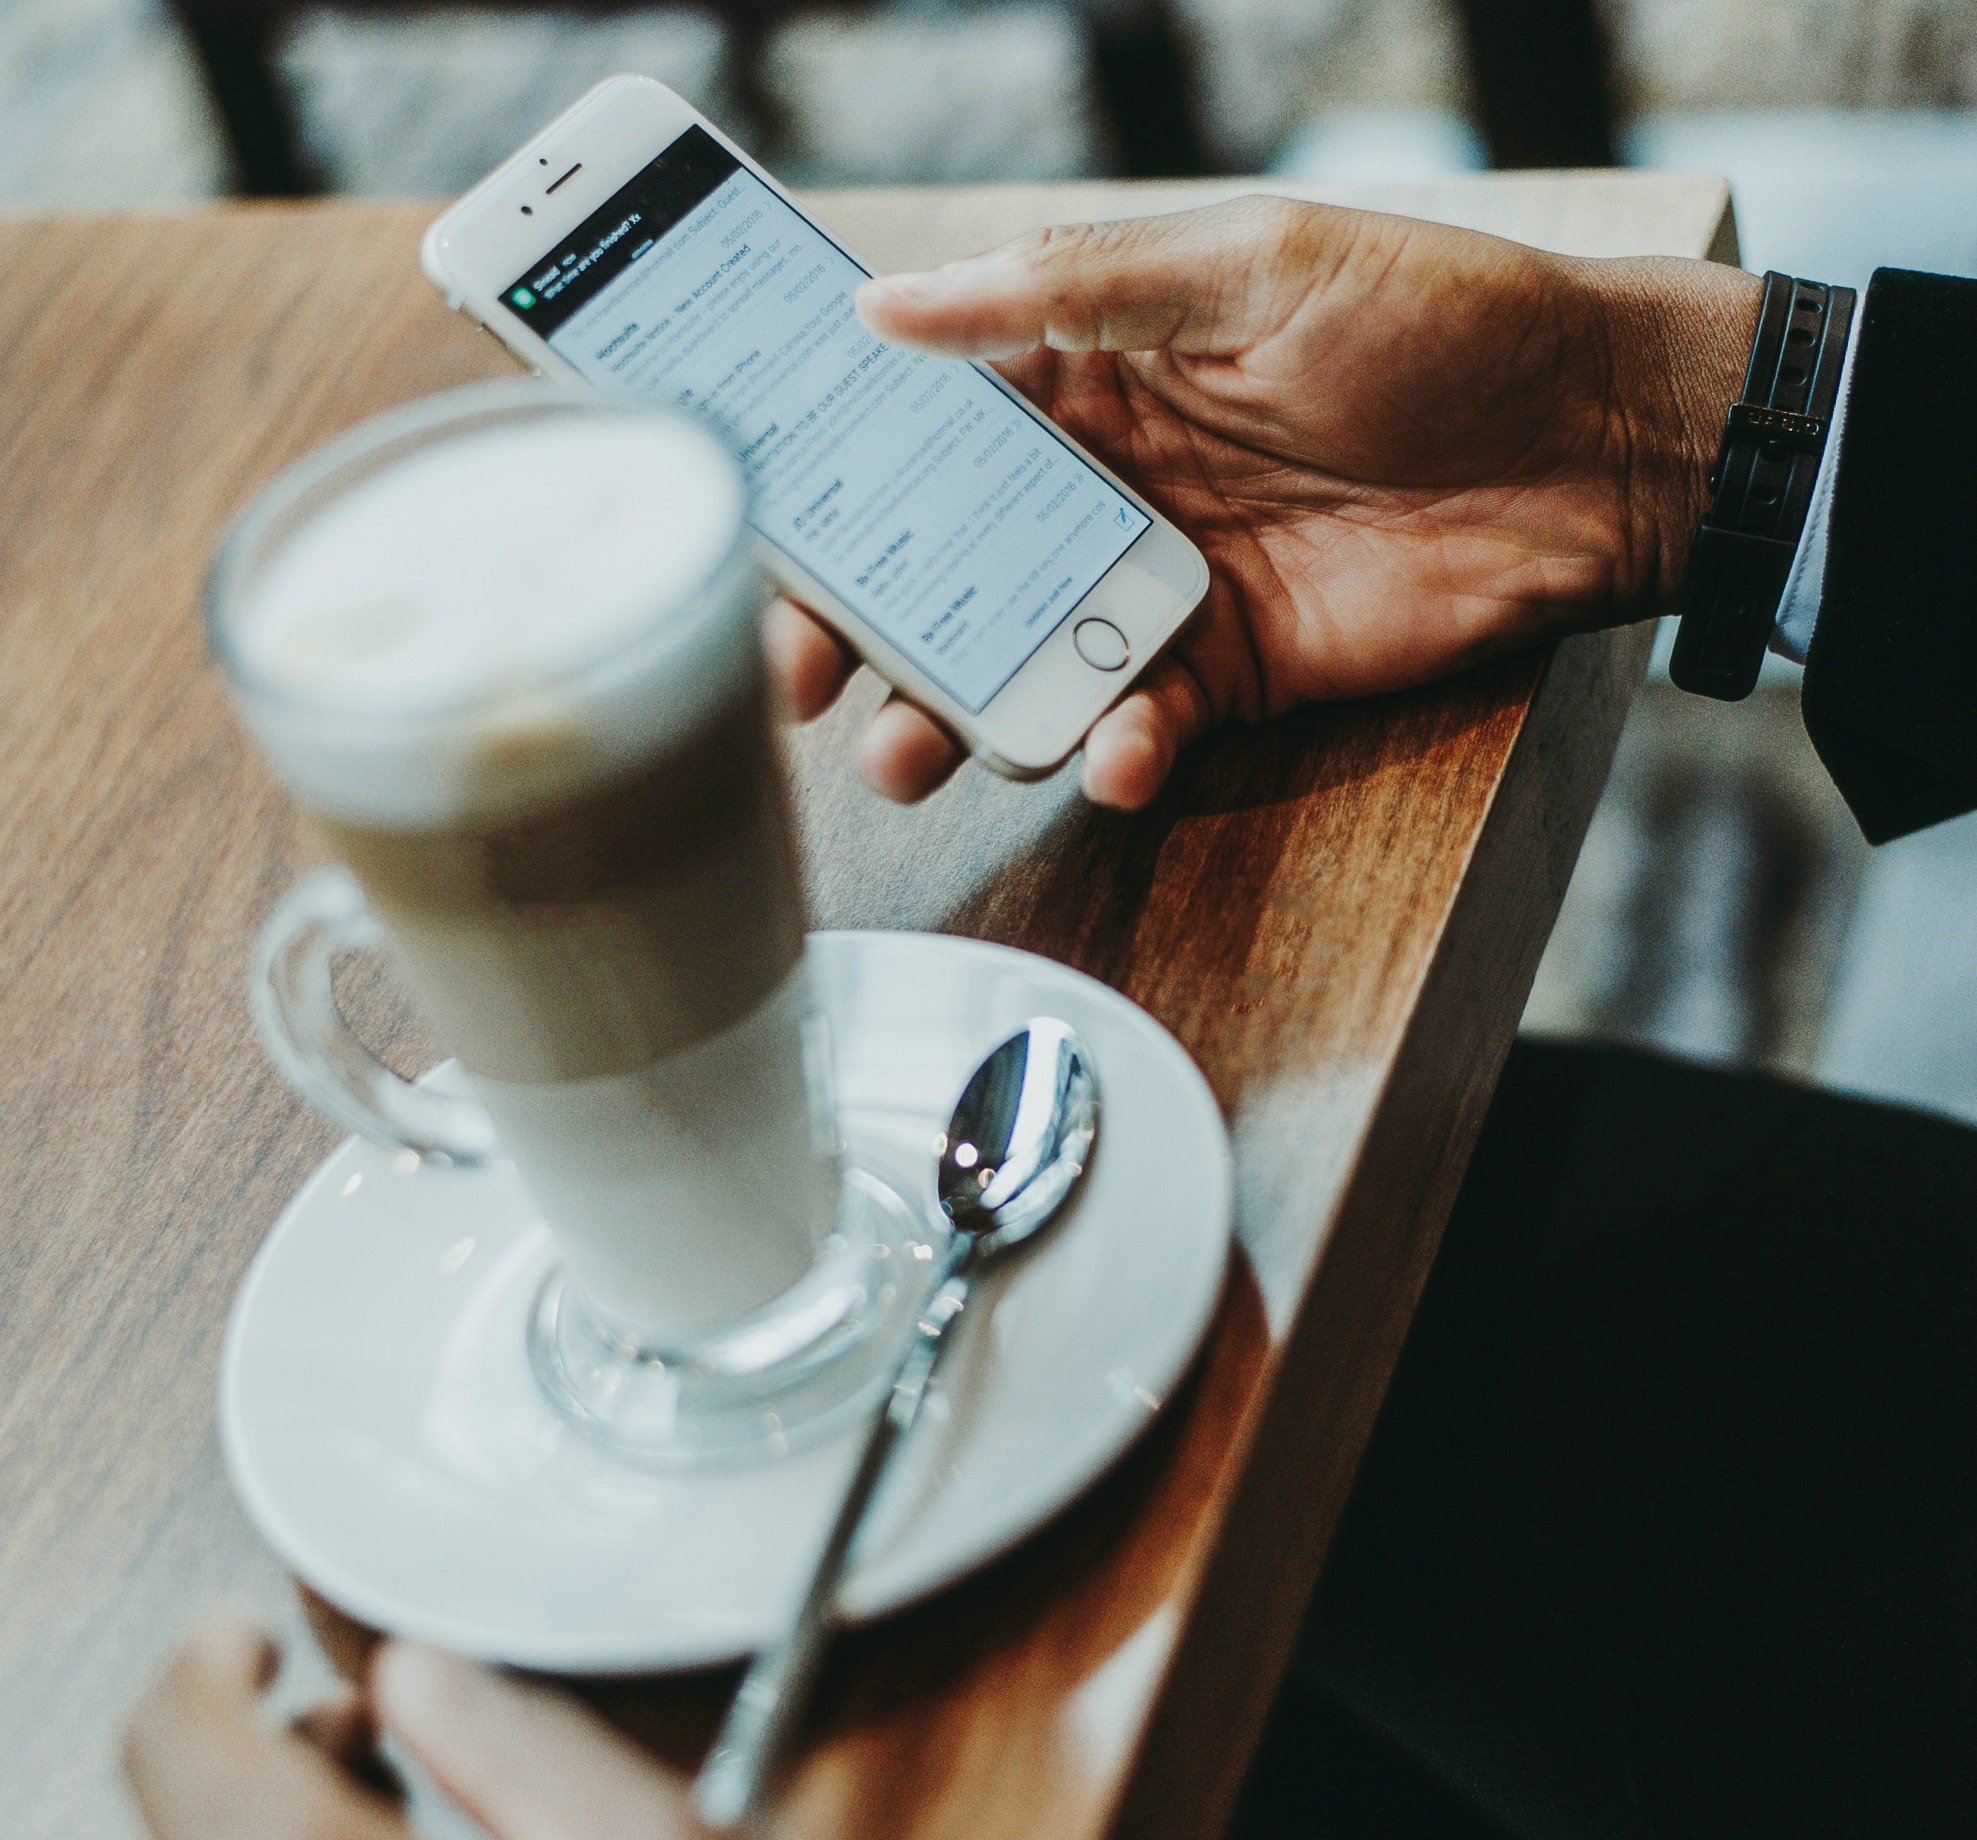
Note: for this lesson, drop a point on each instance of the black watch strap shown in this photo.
(1761, 487)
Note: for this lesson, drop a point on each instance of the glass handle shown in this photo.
(294, 1003)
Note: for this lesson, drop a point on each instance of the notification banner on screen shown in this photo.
(910, 486)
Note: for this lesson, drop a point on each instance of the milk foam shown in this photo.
(498, 617)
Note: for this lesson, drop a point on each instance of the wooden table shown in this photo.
(1339, 916)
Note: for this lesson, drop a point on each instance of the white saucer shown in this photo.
(384, 1432)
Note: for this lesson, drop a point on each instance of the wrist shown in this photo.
(1677, 336)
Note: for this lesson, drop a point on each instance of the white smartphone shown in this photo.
(971, 552)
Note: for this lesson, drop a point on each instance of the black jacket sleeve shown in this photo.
(1890, 694)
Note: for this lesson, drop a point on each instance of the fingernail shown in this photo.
(907, 288)
(926, 283)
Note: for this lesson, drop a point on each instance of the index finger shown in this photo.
(1195, 281)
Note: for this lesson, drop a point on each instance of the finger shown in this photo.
(1133, 746)
(1197, 281)
(228, 1660)
(525, 1761)
(809, 662)
(906, 754)
(203, 1765)
(203, 1702)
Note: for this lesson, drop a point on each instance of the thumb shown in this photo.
(1199, 281)
(527, 1762)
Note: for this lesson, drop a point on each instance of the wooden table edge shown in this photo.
(1195, 1749)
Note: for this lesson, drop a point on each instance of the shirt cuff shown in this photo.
(1798, 610)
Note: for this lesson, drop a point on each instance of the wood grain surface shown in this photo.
(1339, 915)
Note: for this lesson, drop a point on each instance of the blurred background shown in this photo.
(1725, 907)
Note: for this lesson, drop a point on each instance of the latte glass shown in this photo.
(503, 648)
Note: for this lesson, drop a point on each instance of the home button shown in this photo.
(1101, 645)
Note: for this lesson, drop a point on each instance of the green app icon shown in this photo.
(522, 297)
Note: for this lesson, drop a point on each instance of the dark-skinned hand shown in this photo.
(1403, 448)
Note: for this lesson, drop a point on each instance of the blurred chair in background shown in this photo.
(1541, 82)
(1137, 64)
(1539, 74)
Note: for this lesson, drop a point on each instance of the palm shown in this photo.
(1402, 448)
(1360, 536)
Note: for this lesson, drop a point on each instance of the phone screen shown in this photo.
(910, 486)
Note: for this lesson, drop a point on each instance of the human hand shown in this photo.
(1404, 449)
(527, 1762)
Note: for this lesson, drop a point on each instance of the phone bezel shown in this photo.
(1039, 717)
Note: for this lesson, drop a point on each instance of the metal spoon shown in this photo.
(1016, 1146)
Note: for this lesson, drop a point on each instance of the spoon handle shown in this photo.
(740, 1770)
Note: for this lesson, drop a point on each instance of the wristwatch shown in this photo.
(1761, 487)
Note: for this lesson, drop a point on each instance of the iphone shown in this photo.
(971, 552)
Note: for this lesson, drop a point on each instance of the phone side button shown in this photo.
(1101, 645)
